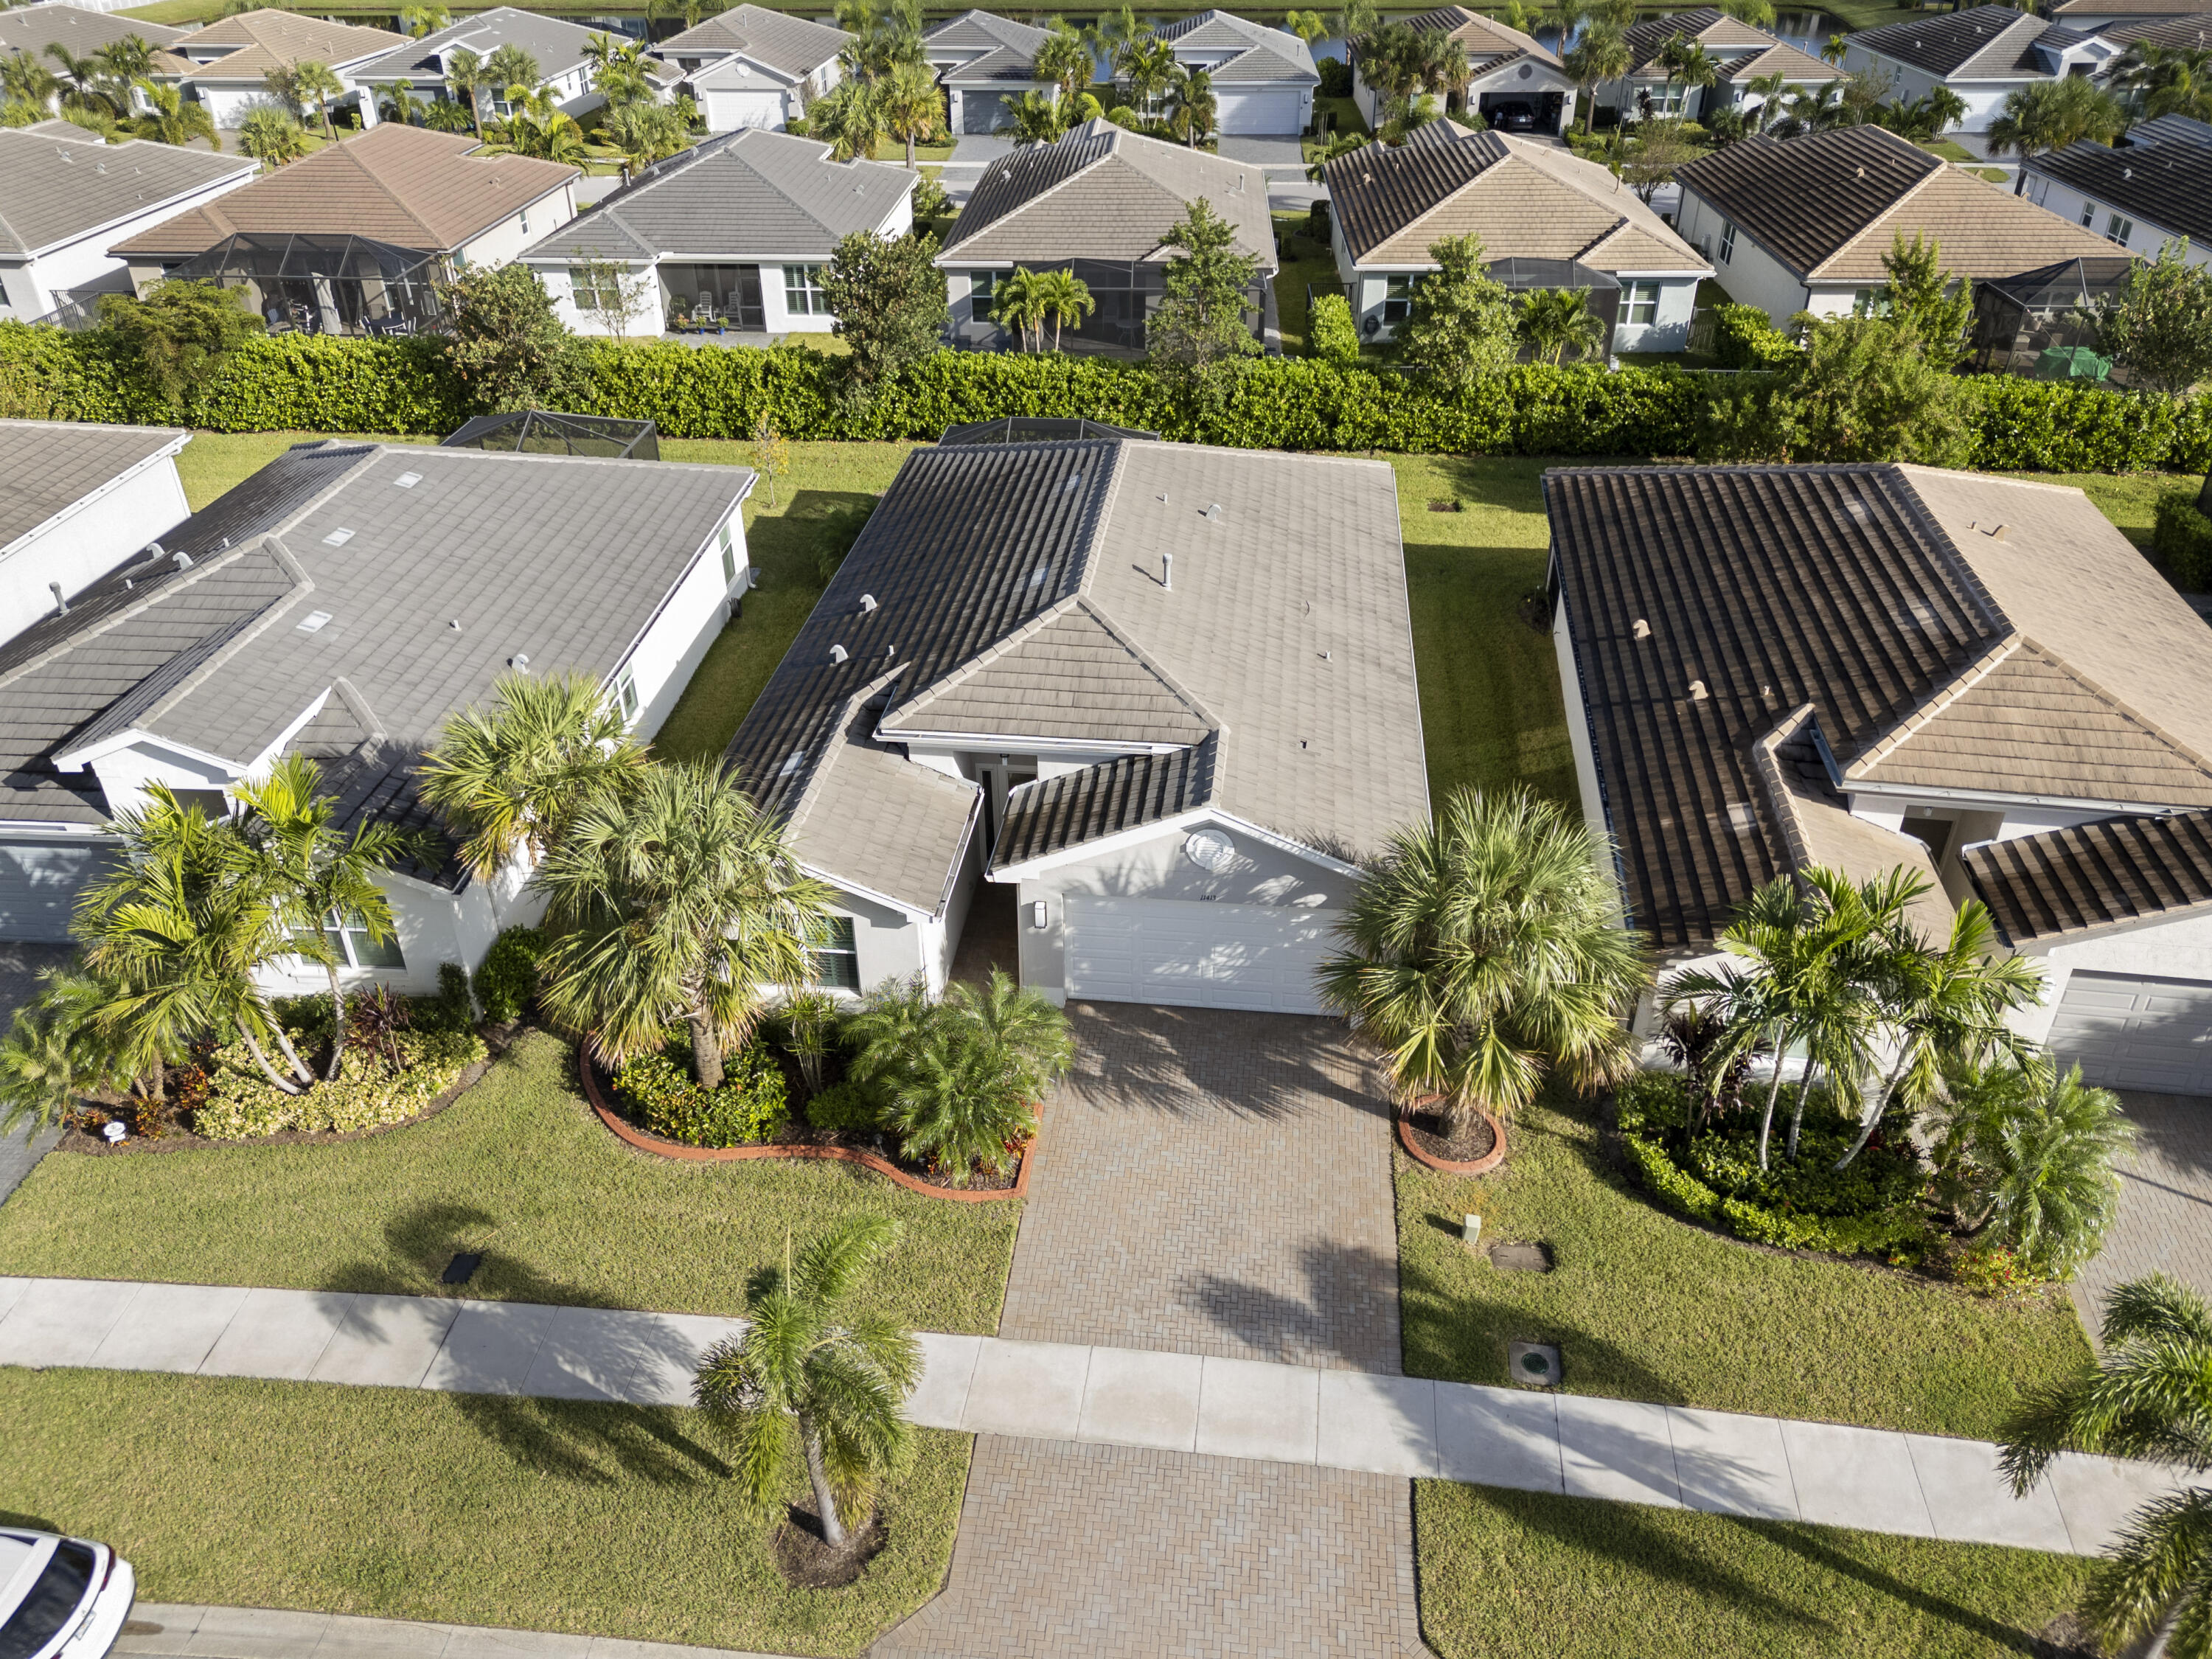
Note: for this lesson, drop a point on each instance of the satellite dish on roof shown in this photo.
(1209, 850)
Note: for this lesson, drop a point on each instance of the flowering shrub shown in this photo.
(661, 1095)
(1994, 1271)
(368, 1093)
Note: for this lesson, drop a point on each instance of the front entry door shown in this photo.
(1000, 779)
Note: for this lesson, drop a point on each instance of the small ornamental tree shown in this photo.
(1207, 287)
(507, 344)
(1460, 325)
(1920, 295)
(888, 298)
(182, 332)
(2158, 327)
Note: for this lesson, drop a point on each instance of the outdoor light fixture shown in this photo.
(1037, 913)
(115, 1132)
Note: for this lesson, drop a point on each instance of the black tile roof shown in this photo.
(1946, 44)
(1758, 590)
(1377, 190)
(2093, 876)
(1059, 812)
(2168, 184)
(1803, 199)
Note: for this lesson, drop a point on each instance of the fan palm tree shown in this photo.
(2147, 1395)
(126, 59)
(912, 106)
(467, 76)
(319, 876)
(1599, 57)
(1555, 322)
(850, 119)
(507, 779)
(271, 137)
(677, 900)
(646, 133)
(1065, 298)
(171, 120)
(400, 104)
(813, 1381)
(1191, 108)
(418, 21)
(1038, 118)
(1482, 952)
(511, 72)
(24, 79)
(2049, 115)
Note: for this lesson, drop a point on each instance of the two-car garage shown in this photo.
(1262, 957)
(2131, 1032)
(1259, 112)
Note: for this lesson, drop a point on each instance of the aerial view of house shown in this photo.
(558, 48)
(1984, 54)
(1512, 74)
(225, 65)
(2157, 190)
(1740, 55)
(983, 62)
(78, 30)
(81, 499)
(1263, 78)
(752, 67)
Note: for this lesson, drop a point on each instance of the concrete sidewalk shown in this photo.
(1878, 1479)
(160, 1631)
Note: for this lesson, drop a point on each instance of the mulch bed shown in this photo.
(1474, 1139)
(809, 1563)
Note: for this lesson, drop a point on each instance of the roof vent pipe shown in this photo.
(867, 602)
(1167, 572)
(1698, 692)
(2001, 533)
(61, 605)
(182, 559)
(837, 654)
(1642, 629)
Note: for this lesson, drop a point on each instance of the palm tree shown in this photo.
(537, 129)
(1018, 303)
(850, 119)
(467, 74)
(679, 899)
(1688, 62)
(2025, 1156)
(1114, 34)
(53, 1057)
(1343, 144)
(1149, 66)
(2049, 115)
(813, 1381)
(2168, 81)
(319, 876)
(24, 79)
(1308, 26)
(418, 21)
(1836, 49)
(126, 59)
(1600, 55)
(1065, 298)
(1553, 322)
(507, 779)
(316, 82)
(513, 72)
(912, 106)
(1037, 118)
(1064, 61)
(1768, 89)
(646, 133)
(400, 104)
(1482, 952)
(271, 137)
(171, 120)
(86, 84)
(1191, 105)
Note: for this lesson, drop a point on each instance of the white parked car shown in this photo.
(61, 1598)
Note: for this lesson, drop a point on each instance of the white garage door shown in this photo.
(1257, 112)
(1260, 956)
(2152, 1034)
(728, 111)
(39, 884)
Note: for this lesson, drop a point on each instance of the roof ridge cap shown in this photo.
(1781, 799)
(1122, 637)
(1938, 698)
(246, 629)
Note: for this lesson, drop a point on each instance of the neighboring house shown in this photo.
(752, 67)
(1263, 79)
(1098, 202)
(734, 231)
(984, 62)
(1528, 201)
(1165, 692)
(66, 197)
(76, 500)
(360, 234)
(77, 31)
(2100, 17)
(2155, 189)
(224, 66)
(559, 46)
(1514, 74)
(1984, 54)
(341, 603)
(1740, 55)
(1801, 224)
(1872, 668)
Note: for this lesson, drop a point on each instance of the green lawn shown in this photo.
(1645, 1306)
(520, 1169)
(472, 1510)
(1509, 1575)
(1308, 262)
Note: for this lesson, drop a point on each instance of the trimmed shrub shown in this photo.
(662, 1095)
(367, 1093)
(1336, 77)
(1744, 337)
(2182, 537)
(1332, 335)
(507, 981)
(451, 1009)
(847, 1108)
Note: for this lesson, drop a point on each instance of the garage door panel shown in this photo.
(39, 884)
(2136, 1033)
(1258, 957)
(1257, 112)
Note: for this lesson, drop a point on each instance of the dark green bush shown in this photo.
(1744, 337)
(450, 1010)
(308, 1016)
(2182, 537)
(661, 1094)
(507, 982)
(1336, 77)
(845, 1108)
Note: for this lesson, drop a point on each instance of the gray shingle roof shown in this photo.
(1000, 66)
(1102, 192)
(1987, 43)
(83, 32)
(557, 45)
(2164, 176)
(793, 46)
(2067, 883)
(980, 31)
(54, 190)
(48, 466)
(1263, 53)
(751, 194)
(1017, 592)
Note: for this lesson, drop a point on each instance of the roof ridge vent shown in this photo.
(838, 654)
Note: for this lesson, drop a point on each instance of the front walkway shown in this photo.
(1212, 1183)
(2164, 1221)
(160, 1630)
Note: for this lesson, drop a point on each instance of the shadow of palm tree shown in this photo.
(1187, 1062)
(577, 1440)
(420, 1242)
(1347, 1317)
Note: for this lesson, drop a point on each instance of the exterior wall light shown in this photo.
(1037, 913)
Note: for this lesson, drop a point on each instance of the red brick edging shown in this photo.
(1473, 1166)
(654, 1144)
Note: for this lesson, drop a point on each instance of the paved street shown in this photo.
(157, 1630)
(2165, 1223)
(1212, 1183)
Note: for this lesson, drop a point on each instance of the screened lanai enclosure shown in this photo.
(2035, 323)
(1600, 289)
(542, 432)
(327, 285)
(1126, 292)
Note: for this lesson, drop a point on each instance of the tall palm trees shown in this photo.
(1018, 303)
(813, 1381)
(676, 900)
(2169, 81)
(912, 106)
(316, 83)
(1600, 55)
(1555, 322)
(1481, 952)
(1065, 60)
(2049, 115)
(1149, 66)
(466, 77)
(1063, 297)
(1191, 105)
(170, 120)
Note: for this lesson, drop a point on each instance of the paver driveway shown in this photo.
(1212, 1183)
(2165, 1223)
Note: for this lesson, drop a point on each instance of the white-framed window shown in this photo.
(626, 695)
(835, 956)
(526, 222)
(729, 555)
(1397, 299)
(1728, 241)
(348, 936)
(1641, 304)
(2088, 214)
(2118, 229)
(983, 294)
(802, 291)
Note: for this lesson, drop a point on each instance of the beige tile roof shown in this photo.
(1985, 230)
(33, 28)
(406, 185)
(1486, 41)
(264, 40)
(48, 466)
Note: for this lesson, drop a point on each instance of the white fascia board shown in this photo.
(845, 883)
(1160, 827)
(46, 828)
(77, 759)
(165, 453)
(1685, 272)
(1003, 745)
(1998, 798)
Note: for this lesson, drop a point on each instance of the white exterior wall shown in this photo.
(94, 536)
(1669, 331)
(35, 287)
(1982, 98)
(2078, 207)
(1751, 275)
(646, 317)
(1506, 78)
(663, 661)
(2176, 950)
(1578, 735)
(505, 240)
(727, 108)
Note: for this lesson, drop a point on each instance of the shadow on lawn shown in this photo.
(422, 1239)
(591, 1443)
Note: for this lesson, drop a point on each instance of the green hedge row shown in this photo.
(2181, 535)
(294, 383)
(1900, 1231)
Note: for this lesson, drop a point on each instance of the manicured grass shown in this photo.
(1308, 261)
(1646, 1307)
(213, 461)
(473, 1509)
(1510, 1575)
(520, 1169)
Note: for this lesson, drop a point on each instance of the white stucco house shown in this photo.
(223, 64)
(733, 233)
(1515, 74)
(752, 67)
(1263, 79)
(1802, 224)
(984, 61)
(1984, 54)
(557, 45)
(2154, 189)
(1872, 668)
(341, 603)
(1547, 219)
(1740, 55)
(77, 500)
(70, 198)
(1156, 700)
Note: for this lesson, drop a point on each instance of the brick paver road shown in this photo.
(1102, 1552)
(2165, 1223)
(1212, 1183)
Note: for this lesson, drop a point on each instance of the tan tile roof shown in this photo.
(33, 28)
(264, 40)
(1486, 41)
(406, 185)
(1985, 230)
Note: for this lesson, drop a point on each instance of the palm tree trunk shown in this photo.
(1797, 1110)
(267, 1069)
(338, 1024)
(1773, 1091)
(284, 1040)
(158, 1081)
(1872, 1115)
(705, 1052)
(825, 1501)
(909, 150)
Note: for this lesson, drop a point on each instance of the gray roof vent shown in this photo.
(1698, 692)
(519, 662)
(867, 602)
(314, 622)
(408, 480)
(61, 605)
(1213, 512)
(1642, 629)
(796, 759)
(182, 560)
(837, 654)
(1074, 481)
(455, 624)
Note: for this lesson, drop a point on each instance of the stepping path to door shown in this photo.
(1217, 1408)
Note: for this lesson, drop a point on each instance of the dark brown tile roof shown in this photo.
(1802, 199)
(1056, 813)
(2095, 875)
(2163, 177)
(1988, 42)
